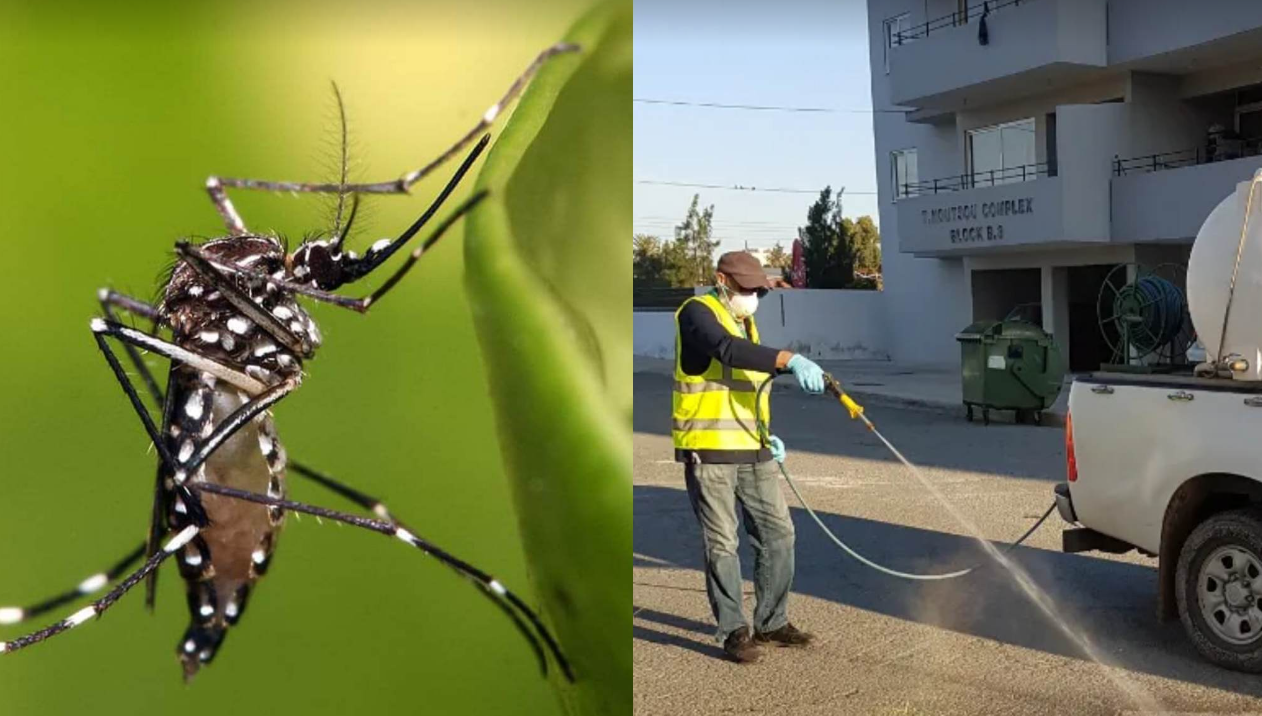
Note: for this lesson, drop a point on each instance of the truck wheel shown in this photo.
(1218, 585)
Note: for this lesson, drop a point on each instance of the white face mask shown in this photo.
(743, 305)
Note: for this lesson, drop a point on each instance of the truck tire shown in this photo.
(1218, 587)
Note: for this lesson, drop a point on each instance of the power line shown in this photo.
(675, 219)
(767, 108)
(737, 187)
(718, 222)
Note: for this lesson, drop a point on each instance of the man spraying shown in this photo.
(719, 365)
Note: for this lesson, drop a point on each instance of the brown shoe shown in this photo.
(787, 635)
(741, 648)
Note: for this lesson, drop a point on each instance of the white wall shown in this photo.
(826, 324)
(1172, 204)
(820, 324)
(1143, 28)
(986, 213)
(926, 299)
(654, 334)
(1160, 119)
(1053, 35)
(1087, 138)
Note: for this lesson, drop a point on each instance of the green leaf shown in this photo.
(549, 282)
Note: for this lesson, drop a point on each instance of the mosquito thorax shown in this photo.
(202, 319)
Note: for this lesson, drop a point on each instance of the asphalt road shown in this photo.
(975, 645)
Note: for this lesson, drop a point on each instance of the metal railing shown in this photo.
(975, 180)
(1223, 150)
(954, 19)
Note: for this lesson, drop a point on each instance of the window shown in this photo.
(892, 27)
(1002, 154)
(1249, 112)
(904, 174)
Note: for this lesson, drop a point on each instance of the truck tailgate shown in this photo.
(1137, 440)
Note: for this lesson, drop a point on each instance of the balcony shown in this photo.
(1066, 202)
(1032, 45)
(978, 219)
(976, 180)
(1163, 34)
(1166, 197)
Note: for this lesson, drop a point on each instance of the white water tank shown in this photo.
(1209, 280)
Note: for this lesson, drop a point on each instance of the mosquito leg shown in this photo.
(378, 508)
(109, 300)
(99, 606)
(13, 615)
(231, 424)
(157, 518)
(223, 205)
(103, 328)
(354, 268)
(489, 585)
(367, 502)
(109, 297)
(217, 185)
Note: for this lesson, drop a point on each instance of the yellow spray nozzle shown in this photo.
(834, 387)
(855, 409)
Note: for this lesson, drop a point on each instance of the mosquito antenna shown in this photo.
(350, 220)
(338, 232)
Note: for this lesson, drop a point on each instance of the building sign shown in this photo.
(977, 222)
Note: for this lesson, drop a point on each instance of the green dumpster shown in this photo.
(1009, 365)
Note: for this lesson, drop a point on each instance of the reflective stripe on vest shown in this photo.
(717, 409)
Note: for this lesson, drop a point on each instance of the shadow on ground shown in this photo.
(819, 425)
(1111, 602)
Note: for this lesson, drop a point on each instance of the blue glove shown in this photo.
(777, 448)
(810, 376)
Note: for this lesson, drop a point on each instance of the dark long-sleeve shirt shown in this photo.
(703, 338)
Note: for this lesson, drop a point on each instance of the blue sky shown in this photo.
(798, 53)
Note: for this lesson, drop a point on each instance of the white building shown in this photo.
(1075, 140)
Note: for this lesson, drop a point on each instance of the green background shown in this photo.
(112, 120)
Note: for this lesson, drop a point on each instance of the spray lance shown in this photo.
(834, 388)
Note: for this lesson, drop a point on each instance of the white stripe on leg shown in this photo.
(81, 616)
(93, 583)
(184, 537)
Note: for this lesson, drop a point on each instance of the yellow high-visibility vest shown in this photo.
(716, 410)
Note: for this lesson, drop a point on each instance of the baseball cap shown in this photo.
(745, 270)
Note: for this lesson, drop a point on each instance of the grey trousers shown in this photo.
(714, 491)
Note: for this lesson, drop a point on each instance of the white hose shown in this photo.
(856, 555)
(884, 570)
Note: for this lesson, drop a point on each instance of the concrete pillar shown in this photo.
(1055, 300)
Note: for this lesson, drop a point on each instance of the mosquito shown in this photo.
(238, 341)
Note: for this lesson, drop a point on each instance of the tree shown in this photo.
(867, 246)
(691, 257)
(777, 257)
(648, 262)
(835, 248)
(825, 246)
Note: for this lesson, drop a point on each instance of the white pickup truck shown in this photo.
(1166, 464)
